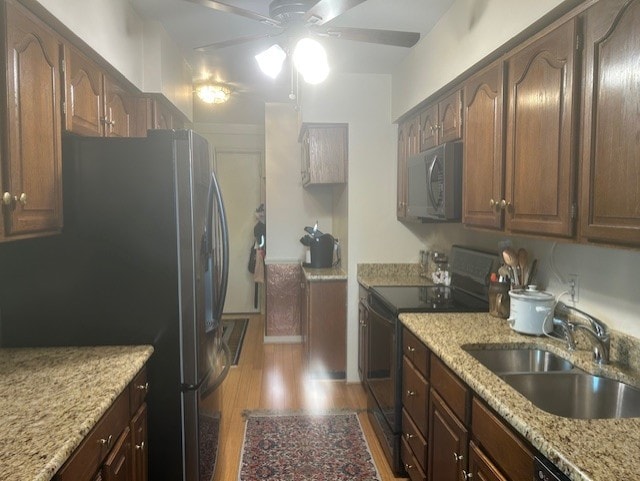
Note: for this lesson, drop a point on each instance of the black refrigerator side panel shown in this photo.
(111, 277)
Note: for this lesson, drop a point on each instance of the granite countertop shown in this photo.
(370, 275)
(324, 274)
(50, 398)
(586, 450)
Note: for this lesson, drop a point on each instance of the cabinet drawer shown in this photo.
(410, 464)
(416, 351)
(139, 388)
(454, 392)
(415, 395)
(84, 462)
(501, 443)
(415, 439)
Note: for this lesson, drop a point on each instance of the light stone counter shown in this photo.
(370, 275)
(50, 398)
(315, 274)
(593, 450)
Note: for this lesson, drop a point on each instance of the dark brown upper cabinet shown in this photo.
(483, 165)
(324, 153)
(31, 132)
(610, 155)
(541, 135)
(408, 144)
(441, 121)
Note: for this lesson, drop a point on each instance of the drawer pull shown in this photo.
(410, 392)
(409, 436)
(466, 475)
(457, 457)
(407, 467)
(140, 446)
(411, 349)
(106, 442)
(143, 387)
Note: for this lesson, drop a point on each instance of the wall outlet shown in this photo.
(573, 287)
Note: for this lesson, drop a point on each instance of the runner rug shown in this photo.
(302, 447)
(233, 331)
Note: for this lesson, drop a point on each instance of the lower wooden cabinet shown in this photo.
(116, 447)
(449, 441)
(480, 466)
(324, 327)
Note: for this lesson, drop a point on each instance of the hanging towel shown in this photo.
(258, 275)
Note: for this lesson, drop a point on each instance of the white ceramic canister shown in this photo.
(531, 311)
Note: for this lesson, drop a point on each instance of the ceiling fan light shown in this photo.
(307, 55)
(270, 61)
(316, 73)
(213, 93)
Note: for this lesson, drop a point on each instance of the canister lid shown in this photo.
(530, 294)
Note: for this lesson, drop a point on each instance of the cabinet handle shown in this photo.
(407, 467)
(23, 199)
(466, 475)
(411, 349)
(7, 198)
(409, 436)
(410, 392)
(106, 442)
(457, 457)
(140, 446)
(143, 387)
(504, 204)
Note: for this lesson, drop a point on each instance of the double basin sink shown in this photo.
(558, 387)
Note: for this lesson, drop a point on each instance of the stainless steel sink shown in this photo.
(519, 360)
(577, 394)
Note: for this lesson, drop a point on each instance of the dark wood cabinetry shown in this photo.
(95, 104)
(441, 121)
(541, 135)
(483, 177)
(116, 447)
(610, 160)
(31, 147)
(480, 466)
(363, 335)
(449, 442)
(324, 153)
(324, 327)
(408, 145)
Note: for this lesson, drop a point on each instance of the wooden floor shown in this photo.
(271, 376)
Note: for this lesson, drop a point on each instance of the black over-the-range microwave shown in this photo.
(435, 184)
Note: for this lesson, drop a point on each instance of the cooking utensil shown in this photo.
(523, 264)
(532, 272)
(511, 259)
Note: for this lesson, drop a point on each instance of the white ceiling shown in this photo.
(192, 25)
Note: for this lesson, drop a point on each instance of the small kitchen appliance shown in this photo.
(531, 311)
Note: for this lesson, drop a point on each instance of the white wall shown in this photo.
(468, 32)
(374, 234)
(289, 207)
(118, 33)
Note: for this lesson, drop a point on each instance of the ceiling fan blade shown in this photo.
(223, 7)
(370, 35)
(235, 41)
(326, 10)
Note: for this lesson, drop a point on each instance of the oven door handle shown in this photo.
(381, 316)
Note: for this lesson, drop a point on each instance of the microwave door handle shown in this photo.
(429, 179)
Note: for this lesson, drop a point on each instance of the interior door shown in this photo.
(239, 176)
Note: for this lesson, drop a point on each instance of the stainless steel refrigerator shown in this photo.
(143, 259)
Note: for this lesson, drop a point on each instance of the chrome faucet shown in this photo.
(596, 329)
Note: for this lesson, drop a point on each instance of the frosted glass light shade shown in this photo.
(310, 60)
(270, 61)
(213, 93)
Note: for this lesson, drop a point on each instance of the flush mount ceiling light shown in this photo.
(213, 93)
(309, 58)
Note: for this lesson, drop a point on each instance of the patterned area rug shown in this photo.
(233, 331)
(326, 447)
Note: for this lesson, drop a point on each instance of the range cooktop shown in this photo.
(468, 292)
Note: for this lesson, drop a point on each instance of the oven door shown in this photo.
(383, 379)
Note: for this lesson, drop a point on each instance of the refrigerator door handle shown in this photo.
(217, 246)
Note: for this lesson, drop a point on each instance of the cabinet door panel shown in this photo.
(449, 442)
(118, 110)
(33, 165)
(408, 144)
(118, 465)
(139, 445)
(483, 148)
(481, 467)
(450, 118)
(428, 128)
(540, 135)
(610, 208)
(83, 85)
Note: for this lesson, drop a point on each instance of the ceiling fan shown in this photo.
(308, 17)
